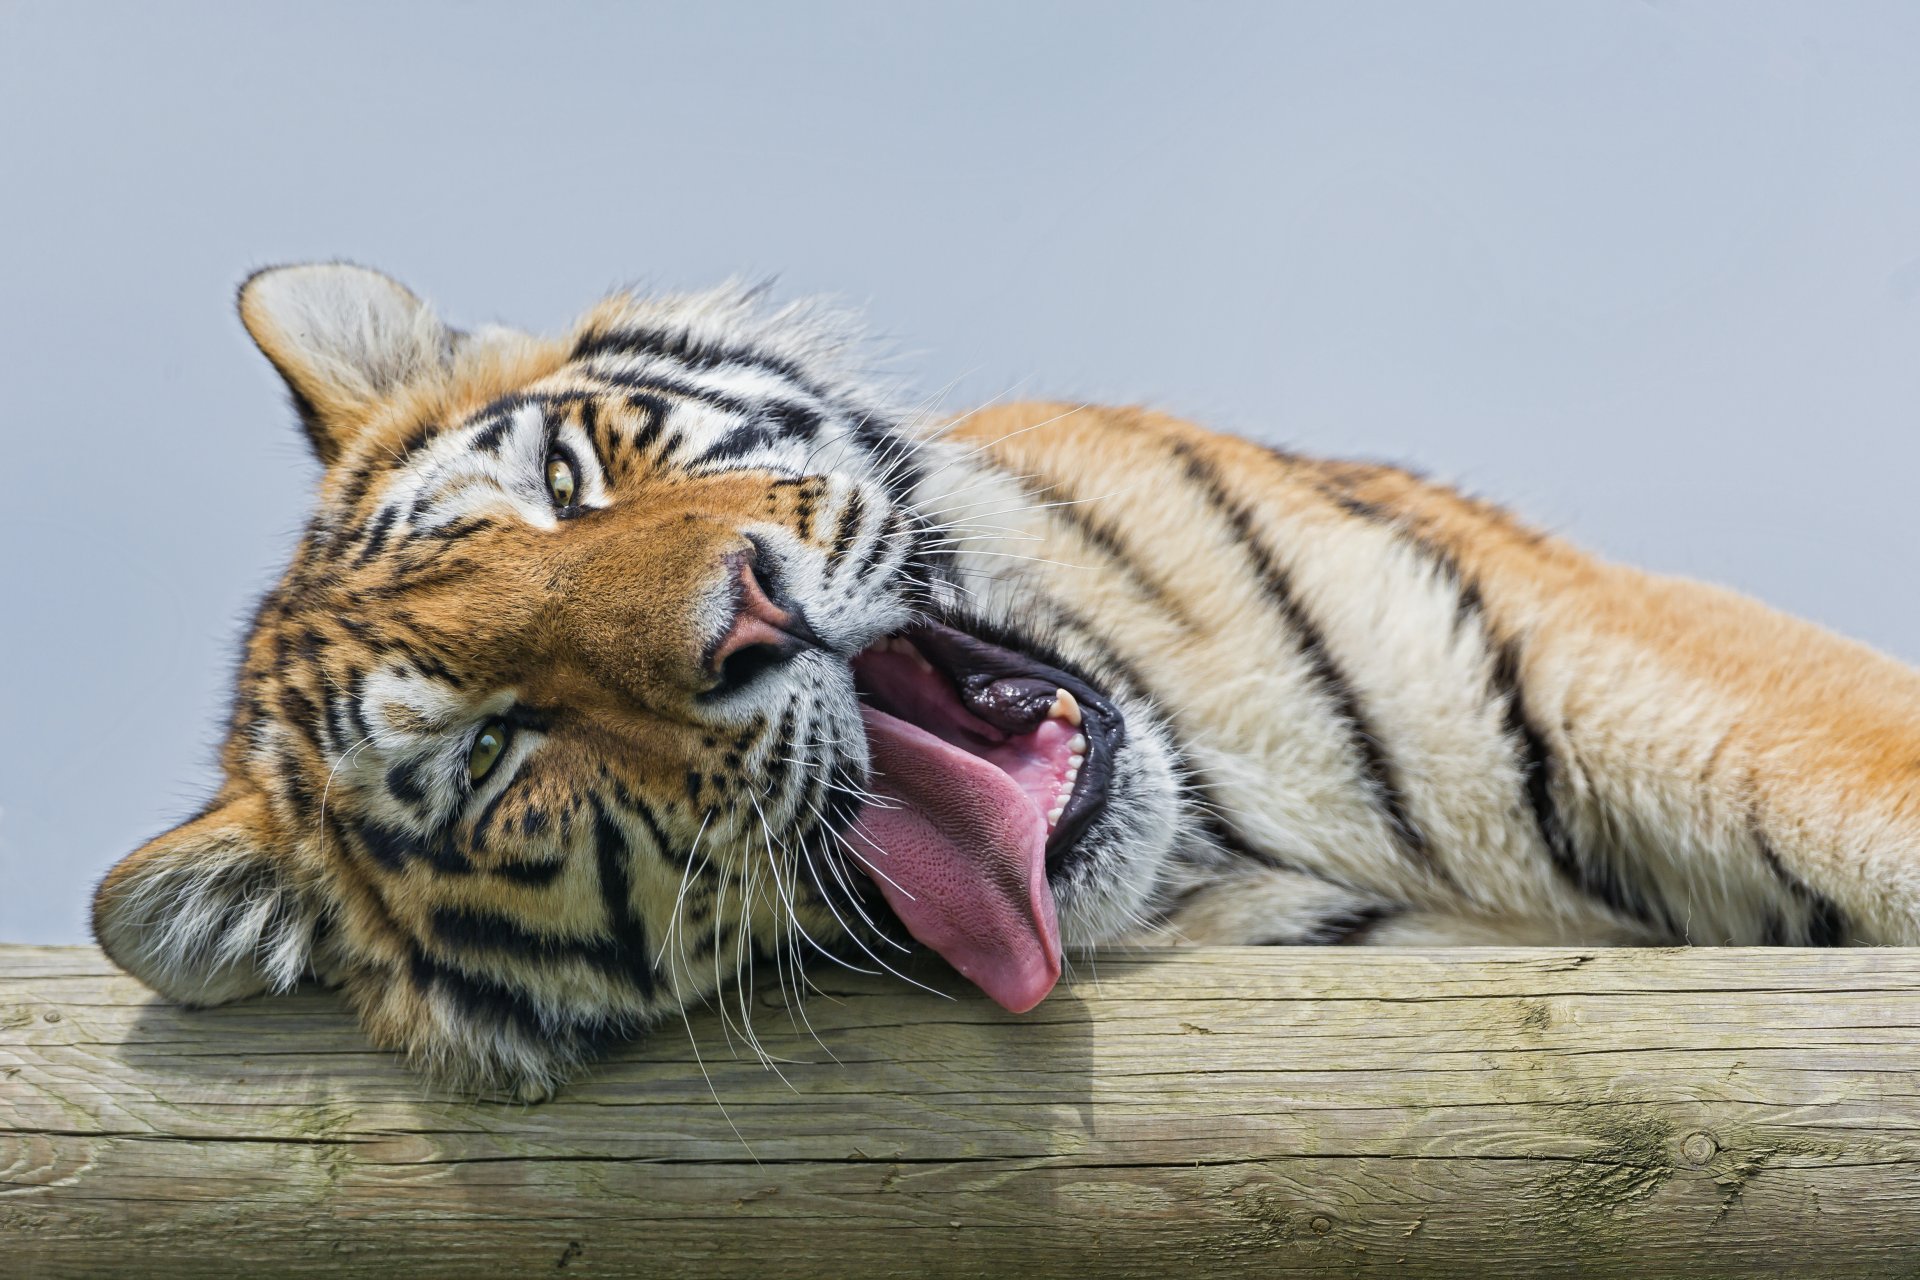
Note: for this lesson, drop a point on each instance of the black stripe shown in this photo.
(600, 441)
(375, 539)
(404, 785)
(695, 354)
(453, 531)
(1068, 507)
(388, 846)
(1218, 828)
(894, 453)
(356, 701)
(1339, 929)
(488, 1000)
(484, 822)
(781, 751)
(493, 434)
(737, 442)
(298, 710)
(653, 416)
(408, 580)
(355, 487)
(774, 423)
(293, 786)
(417, 438)
(477, 998)
(1375, 769)
(611, 851)
(846, 528)
(1773, 930)
(885, 538)
(726, 402)
(469, 929)
(651, 821)
(339, 738)
(431, 665)
(1825, 924)
(392, 848)
(532, 874)
(1597, 876)
(1594, 873)
(795, 421)
(1350, 929)
(517, 400)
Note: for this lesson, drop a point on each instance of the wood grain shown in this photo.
(1233, 1111)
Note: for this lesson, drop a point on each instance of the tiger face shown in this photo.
(610, 669)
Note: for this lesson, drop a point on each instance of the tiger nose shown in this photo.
(766, 630)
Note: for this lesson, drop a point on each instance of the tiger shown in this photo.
(615, 665)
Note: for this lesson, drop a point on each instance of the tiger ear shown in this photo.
(345, 339)
(207, 913)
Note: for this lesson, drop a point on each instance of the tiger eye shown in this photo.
(560, 480)
(486, 750)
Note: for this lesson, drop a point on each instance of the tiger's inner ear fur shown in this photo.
(345, 338)
(207, 912)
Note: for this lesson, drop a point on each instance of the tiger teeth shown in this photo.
(1065, 707)
(1064, 792)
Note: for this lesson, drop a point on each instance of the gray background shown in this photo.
(1649, 272)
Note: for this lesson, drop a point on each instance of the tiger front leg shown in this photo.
(1724, 773)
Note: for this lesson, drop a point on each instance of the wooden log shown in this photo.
(1248, 1112)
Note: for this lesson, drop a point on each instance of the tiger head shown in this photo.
(607, 665)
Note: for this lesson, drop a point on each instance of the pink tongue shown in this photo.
(961, 857)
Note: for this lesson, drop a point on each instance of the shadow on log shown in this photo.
(1249, 1112)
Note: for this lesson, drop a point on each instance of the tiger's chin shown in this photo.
(1017, 809)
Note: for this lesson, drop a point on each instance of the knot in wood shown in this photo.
(1698, 1148)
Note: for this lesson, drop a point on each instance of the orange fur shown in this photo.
(1362, 706)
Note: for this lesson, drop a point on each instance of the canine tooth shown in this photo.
(1078, 745)
(1065, 707)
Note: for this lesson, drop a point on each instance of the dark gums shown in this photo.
(1017, 704)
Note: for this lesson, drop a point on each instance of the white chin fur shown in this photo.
(1126, 853)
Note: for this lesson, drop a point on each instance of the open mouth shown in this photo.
(988, 766)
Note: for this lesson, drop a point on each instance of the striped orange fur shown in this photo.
(1348, 705)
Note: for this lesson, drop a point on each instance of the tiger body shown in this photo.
(1410, 718)
(1315, 702)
